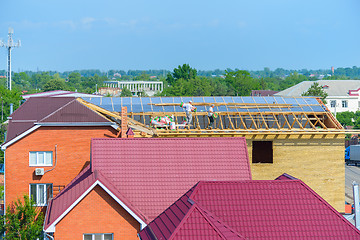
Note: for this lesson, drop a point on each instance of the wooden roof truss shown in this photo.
(262, 117)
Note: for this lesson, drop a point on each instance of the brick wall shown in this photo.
(97, 213)
(73, 154)
(318, 160)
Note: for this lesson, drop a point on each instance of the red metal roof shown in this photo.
(286, 176)
(261, 209)
(74, 111)
(73, 192)
(32, 111)
(153, 173)
(48, 109)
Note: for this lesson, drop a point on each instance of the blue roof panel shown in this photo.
(137, 104)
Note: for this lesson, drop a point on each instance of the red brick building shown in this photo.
(48, 144)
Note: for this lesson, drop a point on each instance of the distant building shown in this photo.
(149, 87)
(263, 93)
(343, 95)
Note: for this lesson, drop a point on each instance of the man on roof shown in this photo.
(211, 115)
(188, 109)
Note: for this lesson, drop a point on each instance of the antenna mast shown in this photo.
(9, 45)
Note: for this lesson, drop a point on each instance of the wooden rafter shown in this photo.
(232, 125)
(286, 122)
(296, 119)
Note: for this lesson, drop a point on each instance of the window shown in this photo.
(344, 103)
(98, 236)
(333, 103)
(262, 152)
(40, 159)
(41, 193)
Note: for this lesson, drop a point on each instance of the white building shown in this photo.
(149, 87)
(343, 95)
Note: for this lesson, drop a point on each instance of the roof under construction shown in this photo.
(236, 115)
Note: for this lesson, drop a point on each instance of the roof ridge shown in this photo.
(56, 111)
(207, 214)
(192, 209)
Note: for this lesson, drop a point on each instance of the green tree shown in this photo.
(22, 221)
(182, 72)
(126, 93)
(74, 81)
(316, 90)
(54, 84)
(240, 83)
(346, 118)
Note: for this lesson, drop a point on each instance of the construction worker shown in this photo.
(188, 109)
(211, 116)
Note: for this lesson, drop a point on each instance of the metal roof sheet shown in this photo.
(73, 192)
(32, 111)
(59, 93)
(153, 173)
(48, 109)
(260, 209)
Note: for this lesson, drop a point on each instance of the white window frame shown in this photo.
(37, 164)
(38, 193)
(102, 235)
(344, 103)
(332, 103)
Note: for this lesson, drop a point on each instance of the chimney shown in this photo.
(123, 122)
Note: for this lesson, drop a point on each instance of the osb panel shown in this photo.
(319, 162)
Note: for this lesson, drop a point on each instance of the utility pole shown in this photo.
(2, 110)
(9, 45)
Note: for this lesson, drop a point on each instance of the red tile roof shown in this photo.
(261, 209)
(153, 173)
(47, 109)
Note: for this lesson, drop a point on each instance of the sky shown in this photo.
(71, 35)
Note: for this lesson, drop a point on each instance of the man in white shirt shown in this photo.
(188, 109)
(211, 116)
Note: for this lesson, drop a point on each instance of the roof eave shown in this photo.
(51, 227)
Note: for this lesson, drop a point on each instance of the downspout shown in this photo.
(356, 204)
(55, 161)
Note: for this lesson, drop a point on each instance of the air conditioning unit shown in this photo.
(39, 171)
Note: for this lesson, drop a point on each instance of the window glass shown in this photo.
(33, 192)
(107, 236)
(32, 158)
(98, 237)
(41, 158)
(48, 160)
(41, 194)
(344, 104)
(87, 237)
(332, 103)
